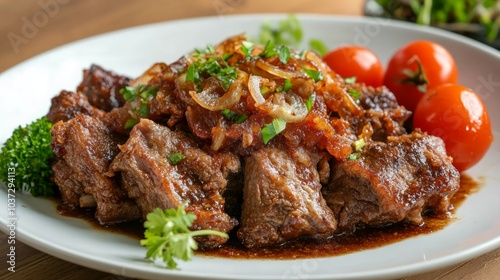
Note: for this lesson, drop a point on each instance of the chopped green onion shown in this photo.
(354, 156)
(354, 94)
(310, 101)
(175, 158)
(269, 131)
(131, 123)
(358, 144)
(210, 49)
(233, 116)
(350, 80)
(190, 74)
(287, 85)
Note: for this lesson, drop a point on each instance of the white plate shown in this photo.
(27, 88)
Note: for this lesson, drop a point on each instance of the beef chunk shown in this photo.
(85, 148)
(380, 111)
(102, 88)
(67, 105)
(70, 188)
(282, 198)
(392, 182)
(153, 181)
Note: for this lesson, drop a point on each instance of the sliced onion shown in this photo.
(304, 87)
(218, 136)
(183, 88)
(320, 65)
(209, 98)
(276, 71)
(254, 83)
(288, 106)
(230, 45)
(147, 76)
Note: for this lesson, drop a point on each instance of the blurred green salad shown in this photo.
(479, 19)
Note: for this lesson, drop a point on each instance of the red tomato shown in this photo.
(416, 68)
(457, 115)
(355, 61)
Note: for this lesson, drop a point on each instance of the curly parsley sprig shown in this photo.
(28, 152)
(168, 236)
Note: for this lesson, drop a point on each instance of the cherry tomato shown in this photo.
(416, 68)
(356, 61)
(457, 115)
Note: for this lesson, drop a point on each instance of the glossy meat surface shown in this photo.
(86, 147)
(392, 182)
(152, 180)
(282, 198)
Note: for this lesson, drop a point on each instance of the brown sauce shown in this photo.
(362, 239)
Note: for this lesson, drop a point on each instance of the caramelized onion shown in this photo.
(218, 136)
(304, 87)
(209, 98)
(288, 106)
(152, 72)
(320, 65)
(254, 83)
(276, 71)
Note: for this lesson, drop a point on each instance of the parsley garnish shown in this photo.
(25, 159)
(211, 66)
(233, 116)
(269, 50)
(313, 74)
(318, 46)
(138, 98)
(284, 54)
(270, 130)
(168, 236)
(289, 32)
(247, 49)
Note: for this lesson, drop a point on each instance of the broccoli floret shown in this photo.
(26, 157)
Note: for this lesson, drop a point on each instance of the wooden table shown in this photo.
(66, 21)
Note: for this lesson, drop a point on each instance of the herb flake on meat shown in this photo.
(270, 130)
